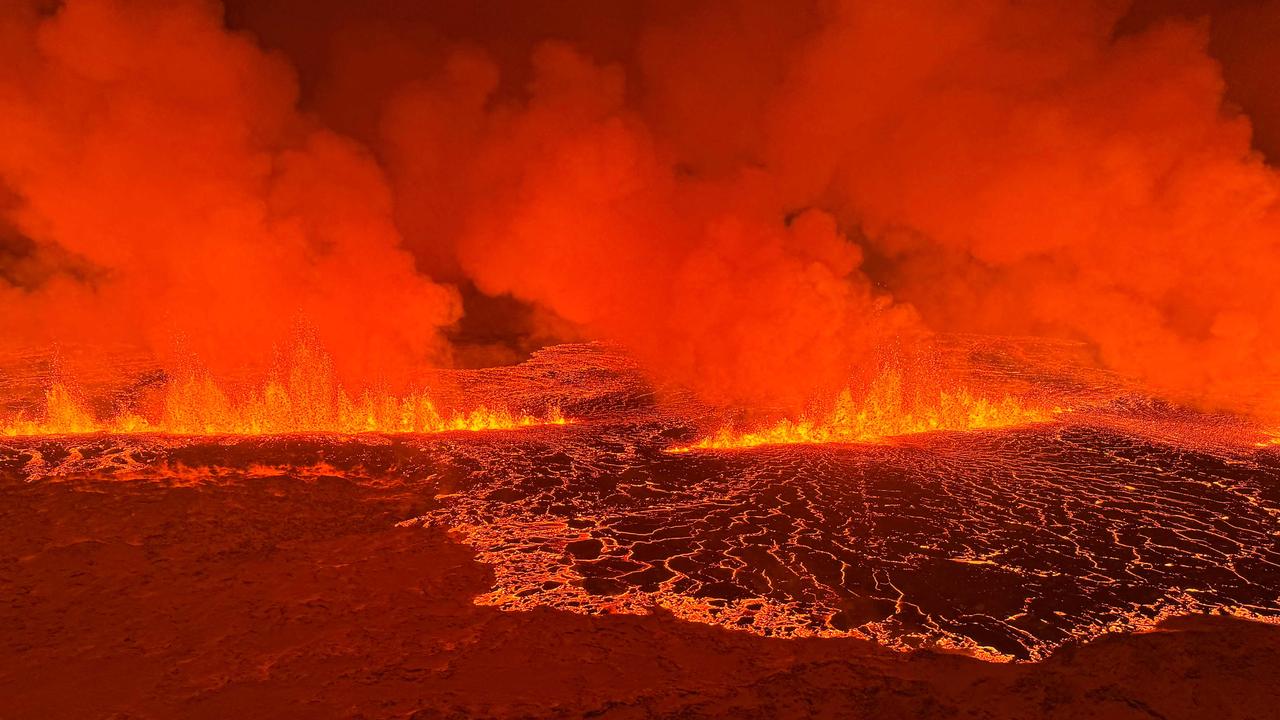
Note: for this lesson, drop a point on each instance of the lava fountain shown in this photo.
(303, 398)
(885, 411)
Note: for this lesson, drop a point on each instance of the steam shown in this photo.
(755, 197)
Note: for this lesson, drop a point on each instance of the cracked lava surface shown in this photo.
(1005, 545)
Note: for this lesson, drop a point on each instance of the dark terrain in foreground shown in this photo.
(1096, 566)
(278, 597)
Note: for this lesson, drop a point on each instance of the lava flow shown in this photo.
(1001, 542)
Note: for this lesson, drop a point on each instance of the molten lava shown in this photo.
(303, 398)
(1002, 545)
(885, 411)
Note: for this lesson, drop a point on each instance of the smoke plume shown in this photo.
(755, 197)
(163, 188)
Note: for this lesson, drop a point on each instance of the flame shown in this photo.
(306, 398)
(884, 413)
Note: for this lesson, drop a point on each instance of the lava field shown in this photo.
(1004, 544)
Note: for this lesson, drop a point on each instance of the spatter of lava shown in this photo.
(1006, 543)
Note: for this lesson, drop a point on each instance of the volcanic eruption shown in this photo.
(743, 358)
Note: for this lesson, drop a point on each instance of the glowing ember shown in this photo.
(885, 412)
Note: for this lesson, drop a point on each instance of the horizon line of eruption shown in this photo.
(882, 414)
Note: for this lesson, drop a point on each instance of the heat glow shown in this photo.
(304, 398)
(886, 411)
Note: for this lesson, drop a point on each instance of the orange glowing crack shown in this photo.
(883, 413)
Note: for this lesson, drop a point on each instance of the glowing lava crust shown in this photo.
(1005, 544)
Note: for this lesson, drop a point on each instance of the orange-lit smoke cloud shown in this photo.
(1027, 168)
(1053, 167)
(163, 188)
(568, 200)
(756, 197)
